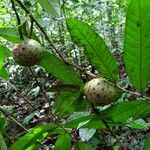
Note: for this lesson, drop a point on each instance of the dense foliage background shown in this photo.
(43, 106)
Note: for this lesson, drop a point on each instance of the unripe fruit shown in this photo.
(27, 53)
(100, 91)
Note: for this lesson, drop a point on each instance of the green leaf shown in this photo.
(10, 34)
(84, 146)
(35, 37)
(88, 121)
(147, 144)
(52, 7)
(59, 69)
(137, 45)
(122, 111)
(4, 52)
(32, 147)
(138, 124)
(76, 120)
(2, 143)
(2, 123)
(37, 133)
(4, 74)
(95, 48)
(68, 102)
(63, 142)
(24, 27)
(64, 102)
(1, 59)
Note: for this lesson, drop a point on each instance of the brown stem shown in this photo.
(13, 119)
(130, 92)
(134, 93)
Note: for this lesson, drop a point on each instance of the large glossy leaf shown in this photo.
(64, 102)
(57, 131)
(95, 48)
(138, 124)
(84, 146)
(52, 7)
(88, 121)
(2, 123)
(63, 142)
(33, 147)
(4, 52)
(74, 121)
(59, 69)
(69, 101)
(10, 34)
(122, 111)
(2, 143)
(147, 144)
(37, 133)
(3, 73)
(137, 45)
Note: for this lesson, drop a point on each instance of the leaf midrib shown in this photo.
(141, 45)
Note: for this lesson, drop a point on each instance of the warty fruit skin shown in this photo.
(27, 53)
(100, 91)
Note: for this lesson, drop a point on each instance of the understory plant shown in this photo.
(87, 102)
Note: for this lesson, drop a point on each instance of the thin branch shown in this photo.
(18, 123)
(134, 93)
(130, 92)
(37, 82)
(18, 19)
(21, 95)
(25, 99)
(13, 119)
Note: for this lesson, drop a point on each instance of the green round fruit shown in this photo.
(100, 91)
(27, 53)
